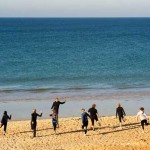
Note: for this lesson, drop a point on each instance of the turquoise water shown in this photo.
(66, 57)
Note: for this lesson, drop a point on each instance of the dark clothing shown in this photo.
(34, 116)
(84, 117)
(120, 113)
(55, 106)
(54, 120)
(4, 121)
(5, 118)
(144, 122)
(84, 126)
(121, 118)
(92, 120)
(34, 122)
(93, 114)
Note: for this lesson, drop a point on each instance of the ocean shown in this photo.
(74, 59)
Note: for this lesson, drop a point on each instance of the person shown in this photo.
(143, 118)
(34, 116)
(84, 117)
(120, 113)
(54, 120)
(55, 106)
(94, 115)
(5, 120)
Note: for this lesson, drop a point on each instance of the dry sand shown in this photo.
(70, 136)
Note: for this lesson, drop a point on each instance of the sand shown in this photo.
(70, 136)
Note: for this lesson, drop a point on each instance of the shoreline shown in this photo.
(70, 136)
(22, 110)
(72, 108)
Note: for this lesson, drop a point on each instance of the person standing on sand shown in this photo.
(54, 120)
(120, 113)
(55, 107)
(4, 121)
(143, 117)
(34, 121)
(84, 117)
(94, 115)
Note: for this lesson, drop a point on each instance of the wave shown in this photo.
(38, 90)
(63, 89)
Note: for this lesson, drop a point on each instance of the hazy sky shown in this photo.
(74, 8)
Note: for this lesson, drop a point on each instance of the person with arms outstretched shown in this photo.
(34, 116)
(143, 118)
(4, 121)
(94, 115)
(55, 107)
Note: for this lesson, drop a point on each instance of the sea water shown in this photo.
(74, 59)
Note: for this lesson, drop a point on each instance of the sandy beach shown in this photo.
(70, 136)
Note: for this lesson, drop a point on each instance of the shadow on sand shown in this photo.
(130, 126)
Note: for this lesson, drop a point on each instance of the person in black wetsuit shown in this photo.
(34, 116)
(84, 117)
(120, 113)
(5, 120)
(55, 107)
(54, 120)
(94, 115)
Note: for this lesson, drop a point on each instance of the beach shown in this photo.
(71, 137)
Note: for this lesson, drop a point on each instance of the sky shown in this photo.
(74, 8)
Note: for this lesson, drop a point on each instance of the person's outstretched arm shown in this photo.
(88, 115)
(39, 115)
(9, 117)
(52, 105)
(62, 102)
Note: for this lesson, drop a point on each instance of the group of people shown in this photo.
(92, 114)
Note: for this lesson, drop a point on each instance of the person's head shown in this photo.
(93, 105)
(142, 108)
(5, 112)
(56, 99)
(83, 110)
(118, 105)
(34, 111)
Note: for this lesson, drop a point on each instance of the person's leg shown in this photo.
(96, 118)
(34, 130)
(120, 120)
(142, 124)
(54, 126)
(123, 118)
(57, 120)
(5, 127)
(85, 127)
(92, 121)
(85, 130)
(146, 123)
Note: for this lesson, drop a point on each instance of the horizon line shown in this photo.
(72, 17)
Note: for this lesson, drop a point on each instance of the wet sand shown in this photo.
(72, 108)
(70, 136)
